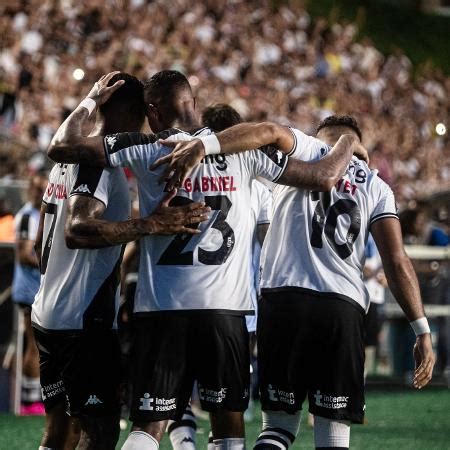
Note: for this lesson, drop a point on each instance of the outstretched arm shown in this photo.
(319, 175)
(69, 145)
(403, 283)
(85, 227)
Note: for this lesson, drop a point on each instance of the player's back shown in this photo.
(209, 271)
(316, 240)
(78, 287)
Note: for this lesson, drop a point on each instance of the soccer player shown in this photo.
(24, 288)
(310, 329)
(74, 314)
(193, 292)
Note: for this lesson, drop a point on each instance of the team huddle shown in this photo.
(199, 271)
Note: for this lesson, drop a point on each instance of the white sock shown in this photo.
(140, 440)
(331, 433)
(279, 429)
(45, 448)
(229, 444)
(210, 441)
(182, 432)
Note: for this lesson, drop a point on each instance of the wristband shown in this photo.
(420, 326)
(211, 144)
(89, 104)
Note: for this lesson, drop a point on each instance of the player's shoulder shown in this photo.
(306, 147)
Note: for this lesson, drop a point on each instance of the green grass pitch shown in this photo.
(397, 420)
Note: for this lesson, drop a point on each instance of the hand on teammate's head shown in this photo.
(361, 152)
(101, 92)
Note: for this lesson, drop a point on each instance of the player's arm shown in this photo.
(403, 283)
(69, 144)
(85, 227)
(319, 175)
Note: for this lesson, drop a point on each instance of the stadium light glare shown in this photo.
(78, 74)
(441, 129)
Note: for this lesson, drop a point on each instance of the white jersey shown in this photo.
(79, 288)
(261, 213)
(209, 271)
(316, 241)
(373, 262)
(26, 278)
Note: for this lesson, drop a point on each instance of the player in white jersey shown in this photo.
(182, 279)
(74, 314)
(310, 335)
(24, 287)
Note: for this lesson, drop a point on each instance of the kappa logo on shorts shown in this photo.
(330, 401)
(150, 403)
(93, 400)
(83, 188)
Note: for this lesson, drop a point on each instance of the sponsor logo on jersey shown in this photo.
(93, 400)
(83, 189)
(58, 189)
(111, 140)
(149, 403)
(330, 401)
(212, 396)
(278, 395)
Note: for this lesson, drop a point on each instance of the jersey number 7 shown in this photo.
(174, 255)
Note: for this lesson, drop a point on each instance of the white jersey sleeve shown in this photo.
(384, 205)
(267, 162)
(137, 151)
(307, 148)
(92, 182)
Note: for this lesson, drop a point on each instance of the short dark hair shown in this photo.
(340, 121)
(220, 117)
(164, 85)
(127, 101)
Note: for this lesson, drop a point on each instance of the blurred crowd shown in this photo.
(268, 63)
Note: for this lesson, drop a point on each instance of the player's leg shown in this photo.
(92, 377)
(281, 397)
(31, 389)
(336, 391)
(57, 422)
(223, 361)
(331, 434)
(158, 378)
(182, 432)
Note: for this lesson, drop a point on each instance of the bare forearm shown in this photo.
(403, 283)
(96, 233)
(248, 136)
(321, 175)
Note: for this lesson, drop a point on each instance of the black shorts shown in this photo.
(311, 346)
(172, 350)
(81, 368)
(372, 324)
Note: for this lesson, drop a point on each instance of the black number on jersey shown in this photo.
(326, 218)
(174, 255)
(51, 209)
